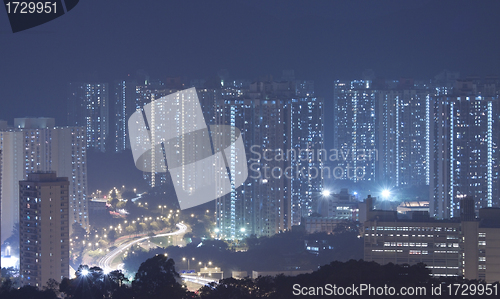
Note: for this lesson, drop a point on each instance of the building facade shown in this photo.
(43, 228)
(88, 106)
(354, 133)
(464, 151)
(123, 105)
(466, 246)
(259, 206)
(402, 136)
(381, 132)
(283, 138)
(35, 144)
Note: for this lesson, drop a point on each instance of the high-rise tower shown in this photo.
(35, 144)
(43, 228)
(464, 153)
(88, 106)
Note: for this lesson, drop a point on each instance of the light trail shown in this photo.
(105, 262)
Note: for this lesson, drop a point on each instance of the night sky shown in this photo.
(320, 40)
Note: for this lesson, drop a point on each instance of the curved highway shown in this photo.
(105, 262)
(199, 280)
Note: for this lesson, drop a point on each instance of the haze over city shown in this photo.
(269, 148)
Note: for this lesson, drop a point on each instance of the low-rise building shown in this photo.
(468, 245)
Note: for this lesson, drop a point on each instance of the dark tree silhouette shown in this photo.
(157, 277)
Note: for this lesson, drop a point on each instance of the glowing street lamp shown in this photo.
(184, 259)
(326, 193)
(386, 193)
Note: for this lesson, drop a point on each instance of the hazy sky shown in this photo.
(320, 40)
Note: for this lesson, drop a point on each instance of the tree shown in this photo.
(219, 244)
(130, 229)
(13, 240)
(29, 292)
(6, 287)
(128, 194)
(78, 231)
(94, 283)
(229, 288)
(199, 230)
(52, 285)
(188, 237)
(154, 225)
(121, 205)
(112, 235)
(157, 277)
(8, 272)
(252, 242)
(114, 202)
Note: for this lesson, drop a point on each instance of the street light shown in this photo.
(187, 261)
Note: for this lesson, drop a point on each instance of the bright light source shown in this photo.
(386, 193)
(216, 230)
(355, 193)
(85, 272)
(106, 271)
(242, 229)
(326, 193)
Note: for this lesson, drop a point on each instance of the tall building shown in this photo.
(43, 228)
(464, 150)
(88, 106)
(402, 135)
(259, 206)
(35, 144)
(123, 105)
(283, 138)
(354, 134)
(144, 95)
(432, 134)
(381, 131)
(305, 141)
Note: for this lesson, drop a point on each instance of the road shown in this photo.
(105, 262)
(203, 281)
